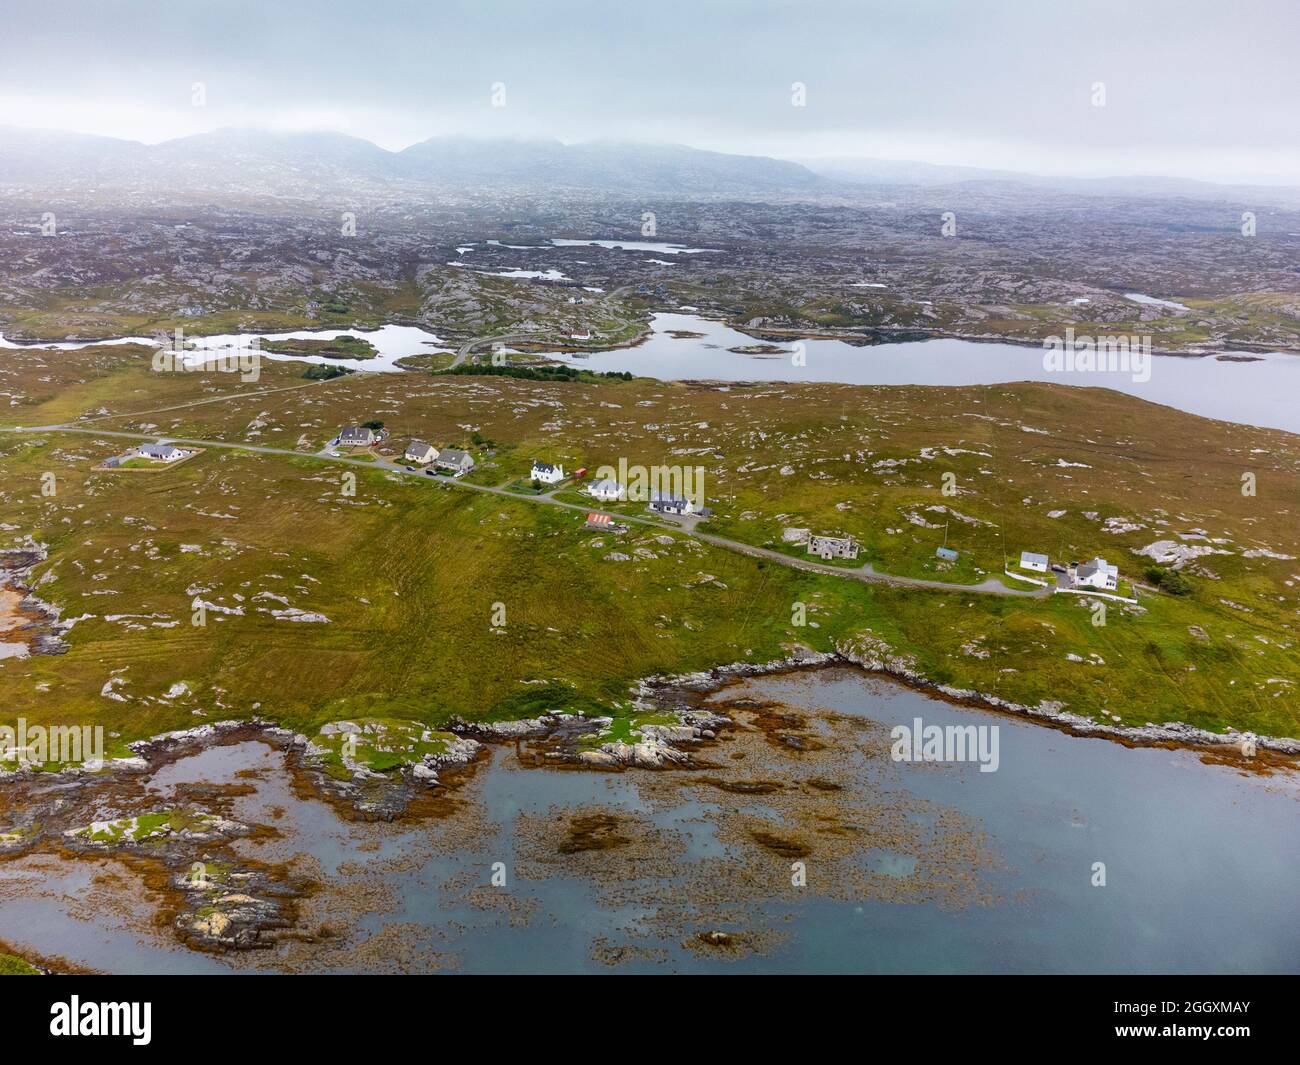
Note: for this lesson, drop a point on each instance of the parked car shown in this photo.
(431, 473)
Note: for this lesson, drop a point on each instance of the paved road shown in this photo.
(505, 338)
(866, 573)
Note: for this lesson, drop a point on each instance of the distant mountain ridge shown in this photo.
(251, 161)
(44, 157)
(601, 163)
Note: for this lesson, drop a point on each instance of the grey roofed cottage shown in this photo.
(606, 488)
(670, 504)
(419, 451)
(165, 452)
(664, 503)
(457, 462)
(357, 436)
(1096, 574)
(1034, 561)
(546, 472)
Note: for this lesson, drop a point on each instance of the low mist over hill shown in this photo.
(324, 160)
(877, 173)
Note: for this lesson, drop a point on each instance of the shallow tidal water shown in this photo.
(1200, 863)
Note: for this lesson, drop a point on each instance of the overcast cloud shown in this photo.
(1197, 88)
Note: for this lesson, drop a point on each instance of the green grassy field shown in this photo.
(414, 576)
(12, 966)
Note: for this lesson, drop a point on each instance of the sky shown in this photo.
(1194, 88)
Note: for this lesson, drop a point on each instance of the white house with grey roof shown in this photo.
(419, 451)
(1095, 574)
(666, 503)
(356, 436)
(161, 452)
(607, 490)
(546, 472)
(457, 463)
(1033, 561)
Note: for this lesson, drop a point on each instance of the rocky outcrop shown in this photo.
(232, 913)
(652, 691)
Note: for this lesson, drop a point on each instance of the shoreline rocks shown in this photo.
(1150, 734)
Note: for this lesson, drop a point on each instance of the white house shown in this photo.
(546, 472)
(665, 503)
(454, 461)
(606, 489)
(580, 334)
(1096, 574)
(419, 451)
(160, 452)
(1033, 561)
(356, 436)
